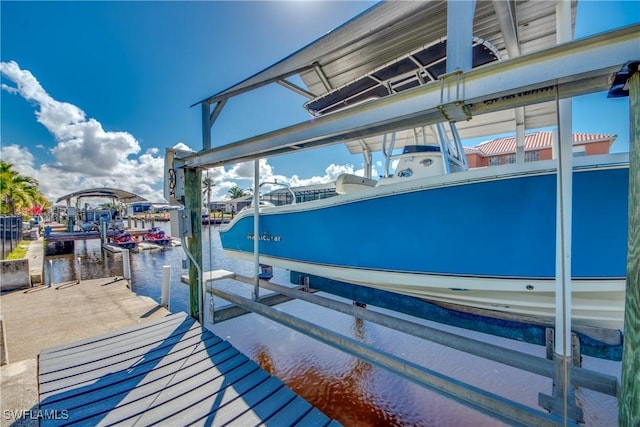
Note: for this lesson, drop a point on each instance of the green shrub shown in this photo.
(19, 251)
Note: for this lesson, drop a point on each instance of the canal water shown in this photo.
(343, 387)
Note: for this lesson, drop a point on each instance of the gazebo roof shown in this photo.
(112, 193)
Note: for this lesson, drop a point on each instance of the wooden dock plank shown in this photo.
(265, 409)
(122, 349)
(314, 418)
(106, 366)
(243, 402)
(171, 371)
(133, 332)
(205, 398)
(71, 236)
(134, 399)
(290, 414)
(211, 276)
(83, 392)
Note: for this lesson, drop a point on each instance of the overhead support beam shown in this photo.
(231, 93)
(506, 13)
(322, 77)
(571, 69)
(208, 119)
(216, 111)
(459, 35)
(368, 161)
(297, 89)
(520, 134)
(206, 126)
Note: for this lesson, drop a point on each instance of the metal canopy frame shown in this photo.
(390, 30)
(415, 69)
(574, 68)
(111, 193)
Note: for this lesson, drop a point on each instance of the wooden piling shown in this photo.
(629, 402)
(193, 204)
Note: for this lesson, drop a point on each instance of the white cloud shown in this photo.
(88, 156)
(85, 154)
(182, 146)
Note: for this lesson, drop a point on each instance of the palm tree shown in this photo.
(207, 183)
(236, 192)
(17, 191)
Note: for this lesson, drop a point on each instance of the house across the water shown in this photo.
(537, 146)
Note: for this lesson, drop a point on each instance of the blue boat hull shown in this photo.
(485, 235)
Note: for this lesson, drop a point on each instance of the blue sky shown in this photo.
(94, 92)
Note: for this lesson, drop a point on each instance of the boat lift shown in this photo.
(556, 74)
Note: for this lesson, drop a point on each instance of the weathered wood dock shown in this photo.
(169, 371)
(71, 236)
(86, 235)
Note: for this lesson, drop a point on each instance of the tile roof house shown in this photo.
(537, 146)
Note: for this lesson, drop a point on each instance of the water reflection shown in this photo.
(347, 391)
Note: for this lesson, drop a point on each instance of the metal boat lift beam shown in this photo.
(596, 381)
(574, 68)
(497, 406)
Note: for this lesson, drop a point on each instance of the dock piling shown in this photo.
(78, 270)
(166, 280)
(629, 401)
(50, 274)
(126, 264)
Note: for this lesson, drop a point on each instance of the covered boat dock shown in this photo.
(538, 69)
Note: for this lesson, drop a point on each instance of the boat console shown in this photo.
(416, 161)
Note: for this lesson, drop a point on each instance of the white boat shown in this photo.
(483, 238)
(432, 228)
(435, 229)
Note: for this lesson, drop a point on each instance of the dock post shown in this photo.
(78, 270)
(103, 231)
(256, 228)
(126, 264)
(193, 204)
(166, 281)
(629, 401)
(562, 402)
(50, 275)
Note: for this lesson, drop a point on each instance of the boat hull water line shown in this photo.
(483, 238)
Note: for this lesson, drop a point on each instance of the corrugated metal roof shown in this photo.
(533, 141)
(391, 30)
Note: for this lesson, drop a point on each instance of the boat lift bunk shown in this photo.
(552, 75)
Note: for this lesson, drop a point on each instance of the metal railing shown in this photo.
(10, 233)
